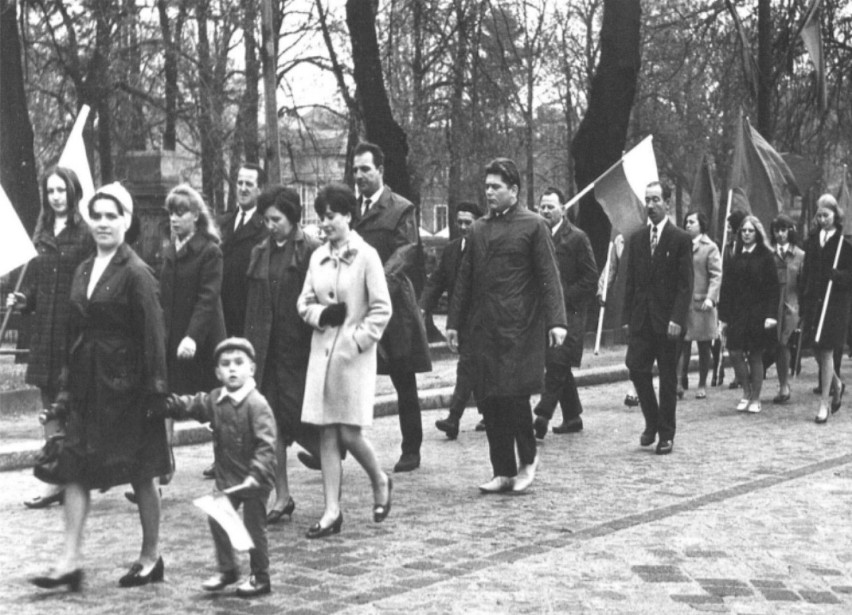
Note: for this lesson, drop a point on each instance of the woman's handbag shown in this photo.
(47, 462)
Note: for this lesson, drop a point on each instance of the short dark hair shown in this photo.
(506, 169)
(469, 207)
(261, 174)
(783, 221)
(700, 216)
(665, 188)
(286, 200)
(338, 198)
(553, 190)
(365, 147)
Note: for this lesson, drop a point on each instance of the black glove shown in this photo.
(333, 315)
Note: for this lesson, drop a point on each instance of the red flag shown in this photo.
(705, 199)
(621, 190)
(760, 179)
(812, 38)
(749, 64)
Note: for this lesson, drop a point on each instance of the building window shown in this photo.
(440, 218)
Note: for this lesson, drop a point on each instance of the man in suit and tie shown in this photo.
(444, 279)
(242, 229)
(579, 276)
(388, 223)
(659, 290)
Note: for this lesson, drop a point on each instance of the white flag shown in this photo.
(219, 507)
(17, 246)
(74, 157)
(640, 167)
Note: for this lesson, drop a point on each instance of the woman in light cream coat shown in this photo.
(345, 298)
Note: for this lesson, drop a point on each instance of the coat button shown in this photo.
(331, 295)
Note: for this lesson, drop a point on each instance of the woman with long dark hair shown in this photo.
(62, 240)
(748, 308)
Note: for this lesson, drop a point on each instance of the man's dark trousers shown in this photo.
(405, 383)
(508, 421)
(464, 385)
(560, 387)
(644, 347)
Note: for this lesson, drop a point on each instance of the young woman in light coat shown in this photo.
(345, 298)
(701, 323)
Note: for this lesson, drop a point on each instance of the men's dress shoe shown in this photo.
(309, 461)
(73, 579)
(134, 578)
(665, 447)
(45, 501)
(318, 531)
(254, 587)
(569, 426)
(734, 385)
(209, 471)
(837, 398)
(407, 462)
(275, 515)
(540, 427)
(449, 426)
(498, 484)
(647, 438)
(754, 407)
(631, 401)
(742, 406)
(526, 476)
(381, 511)
(220, 581)
(480, 426)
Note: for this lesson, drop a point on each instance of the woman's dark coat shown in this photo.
(116, 369)
(191, 285)
(816, 273)
(47, 286)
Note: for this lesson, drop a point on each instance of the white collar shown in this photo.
(749, 249)
(239, 395)
(249, 214)
(179, 243)
(556, 228)
(374, 198)
(660, 225)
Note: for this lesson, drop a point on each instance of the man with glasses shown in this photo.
(659, 290)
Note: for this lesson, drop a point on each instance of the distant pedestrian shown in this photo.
(244, 449)
(824, 245)
(579, 277)
(789, 260)
(748, 309)
(346, 300)
(62, 240)
(509, 295)
(702, 325)
(659, 290)
(732, 225)
(444, 279)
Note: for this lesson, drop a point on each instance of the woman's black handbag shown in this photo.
(47, 468)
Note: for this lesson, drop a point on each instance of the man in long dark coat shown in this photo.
(508, 291)
(579, 276)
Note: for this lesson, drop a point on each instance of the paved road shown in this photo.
(749, 515)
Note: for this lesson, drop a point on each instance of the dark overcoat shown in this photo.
(47, 286)
(749, 296)
(191, 285)
(116, 365)
(390, 227)
(816, 272)
(579, 277)
(236, 254)
(509, 292)
(443, 278)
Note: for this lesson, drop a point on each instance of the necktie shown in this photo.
(367, 204)
(242, 220)
(653, 239)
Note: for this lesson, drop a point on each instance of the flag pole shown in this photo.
(828, 289)
(603, 298)
(8, 313)
(585, 190)
(724, 248)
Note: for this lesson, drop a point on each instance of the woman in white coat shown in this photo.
(345, 298)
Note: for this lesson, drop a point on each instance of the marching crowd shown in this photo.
(273, 337)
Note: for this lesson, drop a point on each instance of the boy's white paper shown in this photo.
(219, 507)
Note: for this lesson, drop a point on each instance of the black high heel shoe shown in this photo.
(837, 399)
(73, 579)
(133, 578)
(381, 511)
(275, 514)
(318, 531)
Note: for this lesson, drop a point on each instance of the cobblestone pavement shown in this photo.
(749, 515)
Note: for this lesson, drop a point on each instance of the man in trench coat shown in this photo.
(508, 292)
(579, 276)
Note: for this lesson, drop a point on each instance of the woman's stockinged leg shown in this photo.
(331, 472)
(282, 485)
(703, 362)
(76, 510)
(826, 374)
(148, 497)
(363, 452)
(741, 370)
(782, 366)
(755, 363)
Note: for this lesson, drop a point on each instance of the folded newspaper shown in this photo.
(219, 506)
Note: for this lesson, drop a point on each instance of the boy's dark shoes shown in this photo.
(220, 581)
(254, 587)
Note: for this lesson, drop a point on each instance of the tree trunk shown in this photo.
(602, 134)
(764, 69)
(99, 88)
(380, 126)
(17, 160)
(205, 106)
(171, 43)
(136, 127)
(269, 54)
(456, 133)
